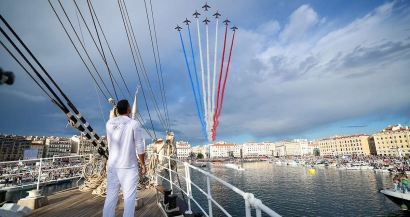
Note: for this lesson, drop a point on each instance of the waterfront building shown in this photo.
(12, 147)
(183, 149)
(56, 146)
(357, 144)
(221, 150)
(198, 150)
(304, 146)
(292, 148)
(238, 151)
(80, 145)
(393, 141)
(269, 148)
(252, 149)
(206, 149)
(279, 149)
(313, 147)
(39, 147)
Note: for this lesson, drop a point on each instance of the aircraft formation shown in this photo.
(209, 100)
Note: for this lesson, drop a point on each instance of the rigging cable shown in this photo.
(161, 85)
(78, 52)
(11, 54)
(160, 67)
(142, 66)
(60, 104)
(139, 119)
(78, 38)
(135, 64)
(78, 114)
(95, 86)
(102, 49)
(141, 63)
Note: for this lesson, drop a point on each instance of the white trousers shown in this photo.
(127, 178)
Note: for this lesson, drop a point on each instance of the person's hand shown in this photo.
(143, 169)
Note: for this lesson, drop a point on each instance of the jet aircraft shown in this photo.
(187, 21)
(206, 6)
(217, 14)
(196, 14)
(227, 21)
(206, 21)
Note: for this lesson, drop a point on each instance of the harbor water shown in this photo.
(293, 191)
(16, 194)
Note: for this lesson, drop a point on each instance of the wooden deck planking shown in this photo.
(76, 203)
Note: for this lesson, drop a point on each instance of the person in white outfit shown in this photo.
(124, 143)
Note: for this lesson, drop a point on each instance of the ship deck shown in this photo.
(76, 203)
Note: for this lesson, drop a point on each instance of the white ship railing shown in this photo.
(250, 201)
(41, 168)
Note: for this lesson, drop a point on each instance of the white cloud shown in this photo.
(299, 21)
(269, 28)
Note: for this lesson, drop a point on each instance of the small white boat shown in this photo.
(233, 166)
(400, 199)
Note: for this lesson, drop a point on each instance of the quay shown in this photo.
(72, 202)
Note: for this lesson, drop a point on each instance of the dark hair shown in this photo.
(122, 106)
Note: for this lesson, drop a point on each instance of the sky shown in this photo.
(299, 69)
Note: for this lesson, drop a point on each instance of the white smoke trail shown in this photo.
(208, 129)
(203, 78)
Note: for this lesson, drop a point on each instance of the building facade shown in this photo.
(357, 144)
(80, 145)
(393, 141)
(183, 150)
(55, 146)
(221, 150)
(12, 147)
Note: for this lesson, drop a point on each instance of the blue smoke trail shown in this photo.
(193, 89)
(197, 82)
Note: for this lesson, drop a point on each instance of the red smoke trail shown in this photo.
(223, 88)
(219, 87)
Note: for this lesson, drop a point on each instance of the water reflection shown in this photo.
(293, 191)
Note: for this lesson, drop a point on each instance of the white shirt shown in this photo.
(124, 142)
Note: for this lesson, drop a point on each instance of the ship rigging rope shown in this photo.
(60, 104)
(103, 57)
(95, 85)
(141, 63)
(102, 49)
(78, 52)
(140, 119)
(108, 45)
(160, 79)
(136, 68)
(11, 54)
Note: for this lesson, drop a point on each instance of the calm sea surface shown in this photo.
(293, 191)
